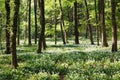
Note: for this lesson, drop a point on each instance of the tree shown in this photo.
(26, 20)
(62, 23)
(29, 24)
(76, 32)
(55, 22)
(18, 31)
(89, 23)
(114, 27)
(96, 20)
(99, 22)
(42, 21)
(102, 23)
(1, 30)
(14, 31)
(7, 7)
(35, 14)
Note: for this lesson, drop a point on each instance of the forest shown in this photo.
(59, 39)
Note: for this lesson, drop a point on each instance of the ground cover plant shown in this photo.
(62, 62)
(59, 39)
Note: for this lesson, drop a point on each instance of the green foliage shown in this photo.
(44, 76)
(67, 6)
(73, 62)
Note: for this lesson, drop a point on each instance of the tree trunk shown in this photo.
(0, 38)
(102, 22)
(89, 24)
(29, 24)
(55, 23)
(42, 21)
(114, 27)
(44, 44)
(86, 33)
(96, 19)
(26, 26)
(7, 6)
(61, 23)
(75, 19)
(14, 31)
(35, 12)
(100, 30)
(18, 31)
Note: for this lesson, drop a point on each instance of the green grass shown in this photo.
(72, 62)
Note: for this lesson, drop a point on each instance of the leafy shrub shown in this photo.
(44, 76)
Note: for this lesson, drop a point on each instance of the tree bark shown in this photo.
(114, 27)
(18, 31)
(100, 30)
(14, 62)
(29, 24)
(89, 24)
(75, 19)
(35, 12)
(42, 21)
(61, 23)
(86, 33)
(55, 23)
(96, 19)
(102, 22)
(26, 26)
(7, 6)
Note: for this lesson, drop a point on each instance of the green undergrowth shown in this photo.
(70, 62)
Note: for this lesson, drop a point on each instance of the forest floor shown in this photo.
(62, 62)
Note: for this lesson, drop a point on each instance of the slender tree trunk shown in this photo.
(86, 34)
(42, 21)
(29, 24)
(75, 19)
(89, 24)
(61, 23)
(0, 31)
(44, 44)
(55, 23)
(18, 31)
(100, 30)
(114, 27)
(102, 21)
(25, 34)
(65, 32)
(7, 6)
(35, 12)
(26, 26)
(96, 19)
(14, 31)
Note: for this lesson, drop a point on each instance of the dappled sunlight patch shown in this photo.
(97, 49)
